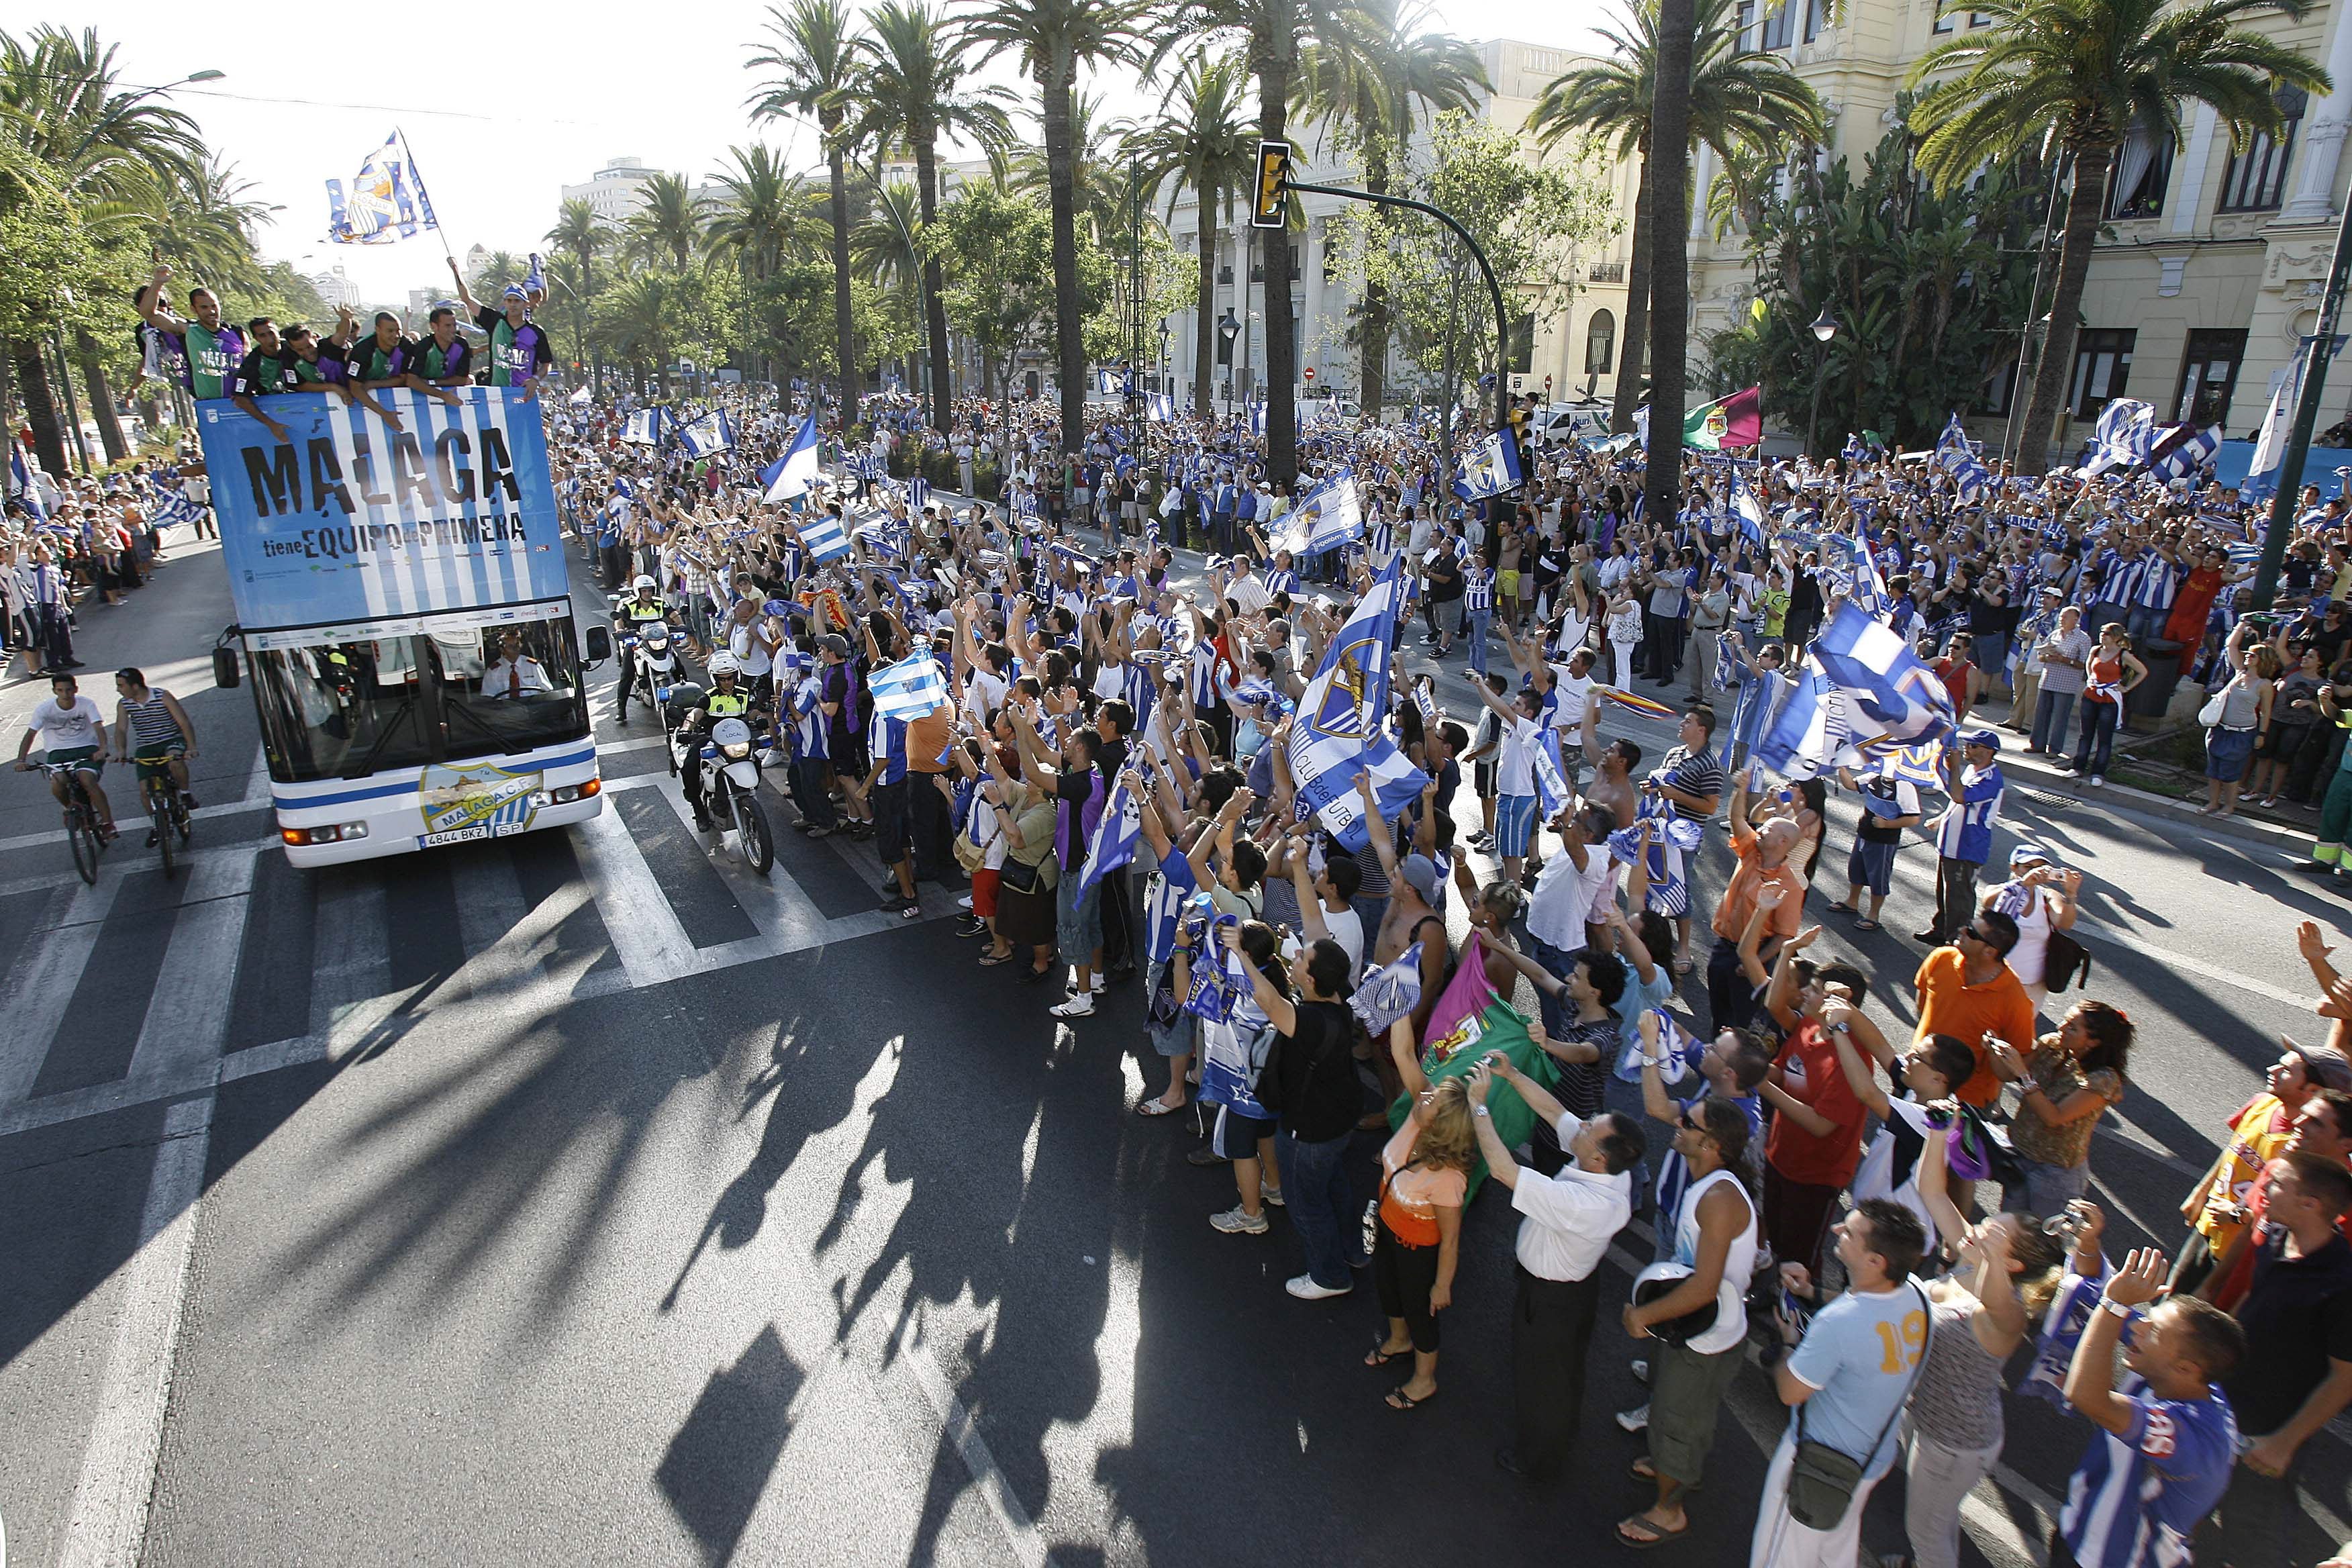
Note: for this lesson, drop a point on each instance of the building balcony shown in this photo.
(1606, 272)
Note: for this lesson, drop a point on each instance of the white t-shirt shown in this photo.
(1564, 897)
(1347, 928)
(64, 729)
(1569, 693)
(1515, 771)
(985, 691)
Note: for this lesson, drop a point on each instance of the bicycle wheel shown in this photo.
(81, 833)
(159, 812)
(751, 833)
(183, 819)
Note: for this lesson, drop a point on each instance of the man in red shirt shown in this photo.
(2322, 1126)
(1815, 1140)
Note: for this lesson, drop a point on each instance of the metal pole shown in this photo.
(1493, 289)
(2322, 347)
(2032, 303)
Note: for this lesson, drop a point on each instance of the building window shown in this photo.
(2102, 365)
(1817, 18)
(2255, 179)
(1780, 25)
(1993, 398)
(1523, 345)
(1943, 23)
(1601, 343)
(2209, 375)
(2143, 167)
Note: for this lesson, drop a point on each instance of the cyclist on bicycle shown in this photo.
(725, 700)
(72, 730)
(640, 609)
(151, 727)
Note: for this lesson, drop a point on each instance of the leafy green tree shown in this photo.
(2090, 73)
(666, 225)
(580, 234)
(1000, 292)
(886, 249)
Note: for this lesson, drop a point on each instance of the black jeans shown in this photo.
(1956, 895)
(1551, 1330)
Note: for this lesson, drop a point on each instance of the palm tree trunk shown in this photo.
(1636, 325)
(1277, 58)
(101, 403)
(2083, 203)
(41, 407)
(1669, 172)
(845, 332)
(1069, 340)
(1373, 313)
(1203, 329)
(935, 308)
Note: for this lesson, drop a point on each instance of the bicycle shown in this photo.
(167, 808)
(82, 831)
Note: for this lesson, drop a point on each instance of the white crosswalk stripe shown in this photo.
(522, 955)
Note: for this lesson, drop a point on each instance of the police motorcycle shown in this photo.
(713, 746)
(649, 646)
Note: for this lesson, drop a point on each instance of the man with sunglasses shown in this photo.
(1967, 991)
(1964, 830)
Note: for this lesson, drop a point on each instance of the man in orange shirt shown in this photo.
(1967, 990)
(1763, 862)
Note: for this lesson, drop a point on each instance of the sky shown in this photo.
(311, 89)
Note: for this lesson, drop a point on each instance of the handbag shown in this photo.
(1018, 876)
(2066, 963)
(2210, 714)
(1822, 1479)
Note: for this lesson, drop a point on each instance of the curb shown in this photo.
(2127, 801)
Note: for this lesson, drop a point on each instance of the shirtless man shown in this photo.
(1613, 776)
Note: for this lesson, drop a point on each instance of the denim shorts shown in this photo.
(1078, 917)
(1872, 865)
(2227, 752)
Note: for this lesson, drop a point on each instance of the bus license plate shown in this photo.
(454, 835)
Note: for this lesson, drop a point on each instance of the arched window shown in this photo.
(1601, 343)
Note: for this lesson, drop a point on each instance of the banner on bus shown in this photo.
(442, 623)
(353, 521)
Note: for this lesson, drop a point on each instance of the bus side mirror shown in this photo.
(225, 670)
(600, 645)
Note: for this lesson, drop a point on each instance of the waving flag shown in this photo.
(2183, 454)
(1472, 1019)
(1552, 793)
(1160, 408)
(1325, 517)
(1106, 384)
(1737, 421)
(2270, 447)
(1388, 992)
(909, 688)
(20, 484)
(1257, 413)
(1958, 459)
(1340, 728)
(1635, 701)
(386, 201)
(1861, 684)
(793, 474)
(643, 428)
(1117, 833)
(709, 435)
(1749, 510)
(2125, 430)
(824, 539)
(580, 397)
(1490, 469)
(1855, 452)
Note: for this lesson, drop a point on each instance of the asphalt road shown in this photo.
(578, 1197)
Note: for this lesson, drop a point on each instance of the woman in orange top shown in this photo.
(1424, 1175)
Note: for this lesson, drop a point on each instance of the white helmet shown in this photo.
(723, 663)
(643, 582)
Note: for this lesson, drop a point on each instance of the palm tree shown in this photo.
(1384, 66)
(1273, 33)
(666, 223)
(73, 130)
(579, 233)
(2093, 73)
(916, 93)
(1740, 100)
(887, 249)
(819, 60)
(1054, 39)
(1097, 168)
(1201, 142)
(639, 315)
(497, 269)
(769, 213)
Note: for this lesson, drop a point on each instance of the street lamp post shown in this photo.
(115, 111)
(1165, 389)
(1228, 329)
(1824, 327)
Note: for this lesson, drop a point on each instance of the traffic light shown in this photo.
(1273, 185)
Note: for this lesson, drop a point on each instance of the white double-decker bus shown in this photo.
(404, 619)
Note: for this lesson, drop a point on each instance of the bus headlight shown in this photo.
(333, 833)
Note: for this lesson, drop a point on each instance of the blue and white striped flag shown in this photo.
(1552, 793)
(1324, 518)
(793, 474)
(909, 688)
(20, 484)
(2185, 457)
(1862, 683)
(1340, 729)
(643, 428)
(1117, 833)
(1388, 992)
(823, 537)
(1106, 384)
(386, 200)
(1747, 509)
(2125, 430)
(1489, 469)
(1159, 407)
(708, 435)
(1958, 458)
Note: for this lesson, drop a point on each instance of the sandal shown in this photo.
(991, 960)
(1865, 925)
(1157, 1107)
(1381, 1355)
(1684, 965)
(1842, 909)
(1654, 1534)
(1398, 1399)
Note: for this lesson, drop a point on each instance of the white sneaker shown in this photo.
(1234, 1222)
(1640, 1370)
(964, 902)
(2070, 772)
(1081, 1006)
(1272, 1195)
(1303, 1286)
(1636, 1419)
(1095, 984)
(2097, 780)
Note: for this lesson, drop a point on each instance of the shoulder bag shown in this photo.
(1822, 1479)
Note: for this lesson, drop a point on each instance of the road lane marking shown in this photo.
(42, 983)
(958, 1427)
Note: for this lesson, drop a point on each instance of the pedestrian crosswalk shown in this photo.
(144, 989)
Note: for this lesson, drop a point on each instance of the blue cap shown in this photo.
(1984, 738)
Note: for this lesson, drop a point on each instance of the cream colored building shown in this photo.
(2214, 262)
(1576, 348)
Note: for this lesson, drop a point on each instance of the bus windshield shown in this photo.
(343, 707)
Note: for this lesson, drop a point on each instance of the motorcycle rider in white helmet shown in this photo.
(725, 700)
(641, 608)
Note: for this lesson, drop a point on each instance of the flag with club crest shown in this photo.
(1958, 458)
(643, 428)
(1340, 729)
(1117, 833)
(708, 435)
(1861, 683)
(1490, 469)
(2183, 454)
(1325, 517)
(386, 201)
(1470, 1020)
(2125, 431)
